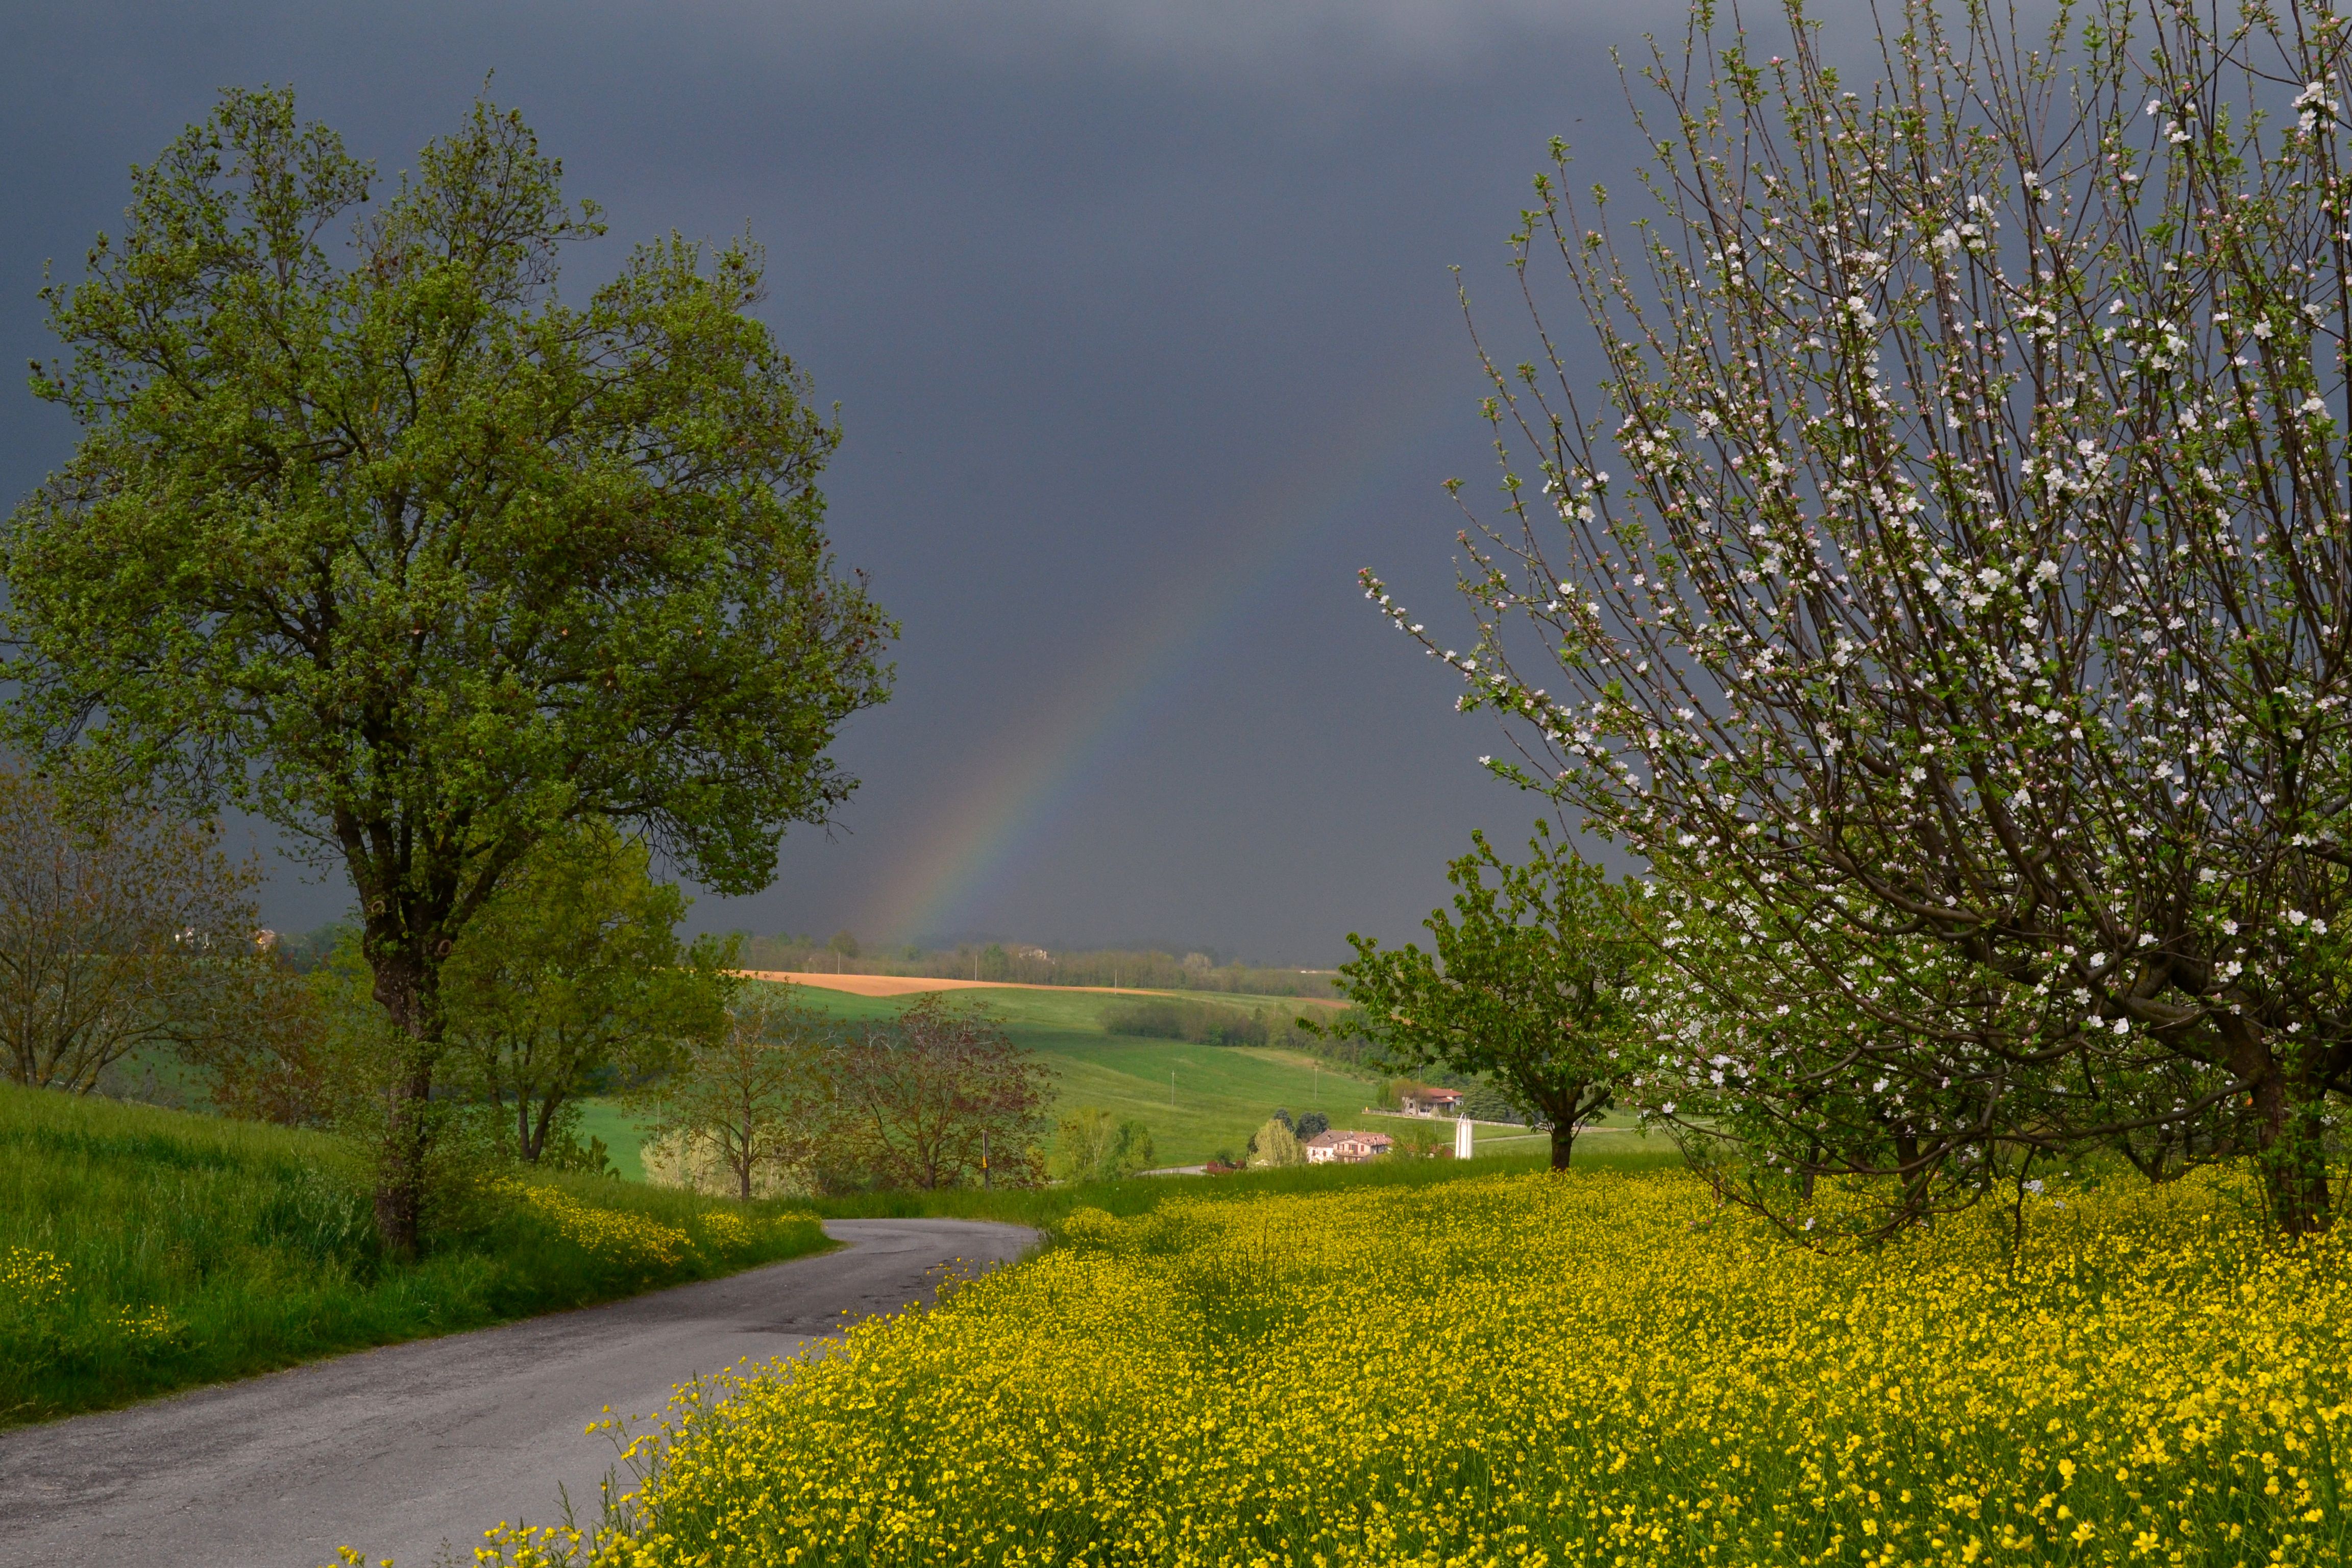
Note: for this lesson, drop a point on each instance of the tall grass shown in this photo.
(144, 1251)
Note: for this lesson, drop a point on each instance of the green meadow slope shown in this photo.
(144, 1251)
(1199, 1100)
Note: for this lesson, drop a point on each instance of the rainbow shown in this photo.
(996, 822)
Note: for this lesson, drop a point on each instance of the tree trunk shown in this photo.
(400, 1169)
(1559, 1109)
(2293, 1158)
(537, 1141)
(404, 986)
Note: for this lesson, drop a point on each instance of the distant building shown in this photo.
(1341, 1147)
(1423, 1100)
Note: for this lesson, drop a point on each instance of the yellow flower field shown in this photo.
(636, 1240)
(626, 1237)
(1600, 1369)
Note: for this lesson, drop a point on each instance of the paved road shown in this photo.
(400, 1449)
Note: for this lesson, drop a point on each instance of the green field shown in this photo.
(144, 1249)
(1199, 1100)
(621, 1133)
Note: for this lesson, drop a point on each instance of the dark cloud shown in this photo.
(1141, 325)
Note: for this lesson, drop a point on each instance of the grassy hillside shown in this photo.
(1197, 1100)
(1220, 1093)
(144, 1251)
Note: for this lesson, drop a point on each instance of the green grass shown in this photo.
(144, 1251)
(622, 1134)
(1045, 1207)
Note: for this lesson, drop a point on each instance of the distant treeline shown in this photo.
(1217, 1024)
(1142, 969)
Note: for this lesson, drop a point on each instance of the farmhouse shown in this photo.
(1340, 1147)
(1423, 1100)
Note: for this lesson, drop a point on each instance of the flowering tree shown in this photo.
(1947, 594)
(1532, 980)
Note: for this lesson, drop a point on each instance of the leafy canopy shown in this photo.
(371, 531)
(574, 973)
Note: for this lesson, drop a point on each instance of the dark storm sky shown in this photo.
(1143, 336)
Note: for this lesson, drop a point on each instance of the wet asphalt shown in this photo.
(413, 1450)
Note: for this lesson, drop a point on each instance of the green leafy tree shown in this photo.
(757, 1098)
(1274, 1145)
(1092, 1145)
(1531, 980)
(573, 973)
(373, 533)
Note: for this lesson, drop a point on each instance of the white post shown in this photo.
(1463, 1134)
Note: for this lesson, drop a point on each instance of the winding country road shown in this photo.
(398, 1451)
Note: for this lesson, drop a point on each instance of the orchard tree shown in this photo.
(1945, 589)
(373, 533)
(574, 970)
(1531, 980)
